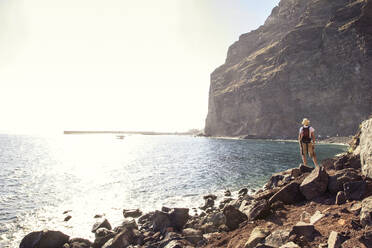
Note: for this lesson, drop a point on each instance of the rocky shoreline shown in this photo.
(329, 206)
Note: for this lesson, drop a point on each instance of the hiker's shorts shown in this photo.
(307, 148)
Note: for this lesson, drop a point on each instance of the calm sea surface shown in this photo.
(40, 178)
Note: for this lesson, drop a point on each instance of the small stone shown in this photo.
(295, 172)
(243, 191)
(340, 198)
(192, 235)
(209, 202)
(277, 238)
(134, 213)
(335, 240)
(356, 224)
(67, 218)
(208, 228)
(304, 229)
(316, 217)
(257, 235)
(227, 193)
(166, 209)
(305, 217)
(357, 206)
(290, 245)
(341, 222)
(211, 196)
(67, 211)
(304, 169)
(99, 224)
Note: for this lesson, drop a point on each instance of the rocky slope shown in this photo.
(302, 207)
(311, 58)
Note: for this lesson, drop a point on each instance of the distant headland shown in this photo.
(190, 132)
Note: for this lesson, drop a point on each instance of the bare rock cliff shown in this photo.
(311, 58)
(364, 147)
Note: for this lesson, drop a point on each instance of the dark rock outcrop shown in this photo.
(289, 194)
(355, 190)
(322, 47)
(101, 223)
(336, 181)
(44, 239)
(233, 217)
(178, 217)
(315, 184)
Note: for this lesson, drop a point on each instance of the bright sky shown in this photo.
(115, 64)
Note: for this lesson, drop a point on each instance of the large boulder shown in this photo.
(366, 212)
(121, 240)
(365, 147)
(102, 235)
(289, 194)
(305, 169)
(355, 190)
(192, 235)
(274, 181)
(336, 182)
(315, 184)
(178, 217)
(208, 203)
(80, 243)
(44, 239)
(233, 217)
(217, 219)
(256, 210)
(160, 221)
(101, 223)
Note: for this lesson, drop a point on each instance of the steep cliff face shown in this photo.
(365, 147)
(311, 58)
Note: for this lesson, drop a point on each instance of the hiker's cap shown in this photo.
(305, 122)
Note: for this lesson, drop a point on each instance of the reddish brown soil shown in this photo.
(338, 218)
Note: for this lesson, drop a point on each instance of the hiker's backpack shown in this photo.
(306, 138)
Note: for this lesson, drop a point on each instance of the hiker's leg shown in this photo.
(312, 154)
(304, 159)
(303, 153)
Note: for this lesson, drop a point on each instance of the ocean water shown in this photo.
(41, 177)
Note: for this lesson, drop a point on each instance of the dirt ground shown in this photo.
(337, 218)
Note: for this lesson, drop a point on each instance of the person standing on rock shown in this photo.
(306, 139)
